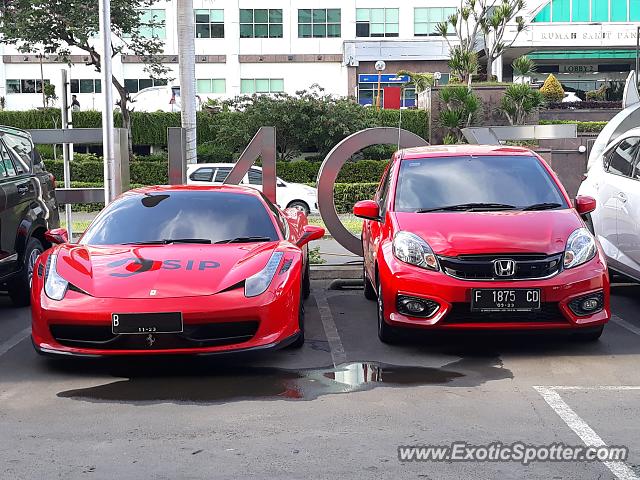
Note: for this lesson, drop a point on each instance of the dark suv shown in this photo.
(27, 210)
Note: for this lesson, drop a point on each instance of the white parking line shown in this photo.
(590, 438)
(624, 324)
(338, 355)
(14, 340)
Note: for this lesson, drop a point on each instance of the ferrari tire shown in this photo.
(386, 333)
(306, 280)
(19, 287)
(299, 342)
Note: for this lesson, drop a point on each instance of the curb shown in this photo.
(331, 272)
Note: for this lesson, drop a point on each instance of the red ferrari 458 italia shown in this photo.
(176, 270)
(480, 237)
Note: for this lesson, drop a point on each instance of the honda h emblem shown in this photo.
(504, 267)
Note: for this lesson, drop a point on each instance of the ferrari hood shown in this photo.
(161, 271)
(460, 233)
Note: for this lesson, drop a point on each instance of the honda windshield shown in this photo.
(476, 183)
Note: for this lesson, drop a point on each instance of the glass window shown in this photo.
(204, 174)
(544, 15)
(247, 86)
(255, 177)
(437, 182)
(131, 85)
(377, 22)
(261, 85)
(599, 10)
(580, 11)
(261, 23)
(427, 19)
(28, 86)
(319, 23)
(6, 164)
(152, 23)
(560, 10)
(222, 174)
(86, 86)
(209, 23)
(276, 85)
(619, 11)
(13, 86)
(213, 85)
(634, 10)
(621, 159)
(210, 215)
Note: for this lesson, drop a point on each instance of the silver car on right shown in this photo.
(614, 181)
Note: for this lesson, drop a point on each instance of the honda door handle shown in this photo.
(622, 197)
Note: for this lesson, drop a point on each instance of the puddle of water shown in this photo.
(265, 383)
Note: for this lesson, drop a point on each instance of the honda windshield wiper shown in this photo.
(245, 240)
(466, 207)
(167, 241)
(542, 206)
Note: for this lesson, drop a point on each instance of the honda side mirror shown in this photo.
(367, 209)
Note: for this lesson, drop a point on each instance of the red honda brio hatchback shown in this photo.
(480, 237)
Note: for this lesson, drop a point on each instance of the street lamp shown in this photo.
(380, 66)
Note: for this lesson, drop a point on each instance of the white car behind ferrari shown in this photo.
(614, 181)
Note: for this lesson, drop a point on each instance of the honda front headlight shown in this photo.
(410, 248)
(581, 247)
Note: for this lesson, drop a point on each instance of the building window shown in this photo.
(589, 11)
(152, 23)
(209, 23)
(26, 86)
(86, 85)
(377, 22)
(211, 85)
(425, 20)
(261, 23)
(319, 23)
(134, 85)
(261, 85)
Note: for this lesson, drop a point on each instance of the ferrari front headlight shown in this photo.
(257, 284)
(54, 285)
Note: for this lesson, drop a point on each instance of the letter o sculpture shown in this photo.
(334, 161)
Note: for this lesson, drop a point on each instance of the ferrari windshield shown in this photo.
(182, 217)
(475, 183)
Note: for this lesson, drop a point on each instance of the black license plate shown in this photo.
(505, 300)
(132, 323)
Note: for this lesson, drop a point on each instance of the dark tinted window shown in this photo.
(620, 160)
(202, 175)
(444, 181)
(222, 174)
(6, 165)
(255, 177)
(181, 214)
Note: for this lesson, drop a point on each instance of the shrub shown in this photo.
(460, 107)
(583, 105)
(552, 89)
(583, 127)
(213, 153)
(520, 101)
(598, 95)
(347, 194)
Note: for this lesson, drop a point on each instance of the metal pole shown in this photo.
(187, 74)
(637, 50)
(378, 97)
(108, 154)
(66, 147)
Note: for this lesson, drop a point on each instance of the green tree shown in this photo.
(55, 27)
(421, 81)
(552, 89)
(50, 94)
(460, 108)
(523, 66)
(520, 101)
(463, 64)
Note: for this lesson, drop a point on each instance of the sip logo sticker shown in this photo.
(134, 266)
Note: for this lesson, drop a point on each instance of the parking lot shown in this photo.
(337, 408)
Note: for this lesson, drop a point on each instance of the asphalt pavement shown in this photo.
(337, 408)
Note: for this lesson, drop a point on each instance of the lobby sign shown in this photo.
(263, 145)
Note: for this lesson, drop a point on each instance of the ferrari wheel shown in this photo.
(299, 342)
(20, 286)
(386, 333)
(306, 280)
(369, 291)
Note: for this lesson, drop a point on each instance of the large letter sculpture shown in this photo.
(334, 162)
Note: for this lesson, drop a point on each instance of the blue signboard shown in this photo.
(373, 78)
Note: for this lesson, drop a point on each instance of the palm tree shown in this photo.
(421, 81)
(523, 66)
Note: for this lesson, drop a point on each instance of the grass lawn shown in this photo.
(351, 222)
